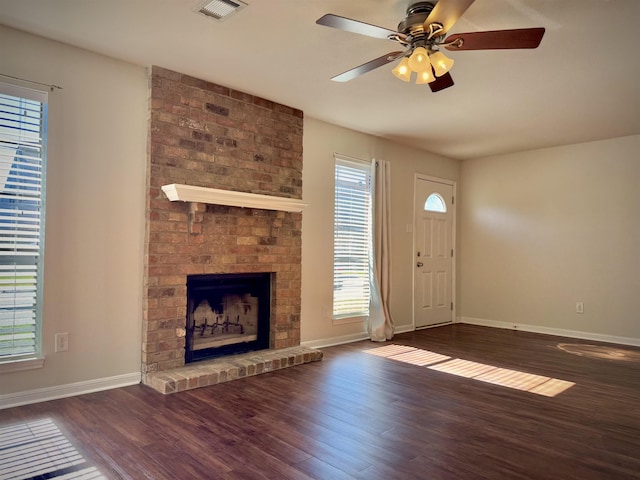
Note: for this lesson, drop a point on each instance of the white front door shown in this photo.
(433, 262)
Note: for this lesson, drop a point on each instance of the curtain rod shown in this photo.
(31, 81)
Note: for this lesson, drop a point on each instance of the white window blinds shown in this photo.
(22, 142)
(352, 239)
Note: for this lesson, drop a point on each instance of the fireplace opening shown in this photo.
(227, 314)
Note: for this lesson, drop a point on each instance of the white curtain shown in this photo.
(381, 324)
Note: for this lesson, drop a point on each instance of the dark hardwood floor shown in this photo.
(361, 416)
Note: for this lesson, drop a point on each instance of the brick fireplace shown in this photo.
(207, 135)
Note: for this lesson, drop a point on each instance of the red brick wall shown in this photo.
(208, 135)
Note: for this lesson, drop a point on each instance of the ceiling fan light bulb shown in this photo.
(441, 63)
(425, 77)
(402, 70)
(419, 60)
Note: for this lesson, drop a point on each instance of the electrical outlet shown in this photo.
(62, 342)
(579, 307)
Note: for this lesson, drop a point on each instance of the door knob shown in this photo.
(419, 264)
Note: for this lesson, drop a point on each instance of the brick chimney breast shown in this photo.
(207, 135)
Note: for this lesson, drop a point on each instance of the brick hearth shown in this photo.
(220, 370)
(207, 135)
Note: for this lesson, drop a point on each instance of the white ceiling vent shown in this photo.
(220, 9)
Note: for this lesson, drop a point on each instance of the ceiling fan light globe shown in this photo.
(419, 60)
(402, 70)
(425, 77)
(441, 63)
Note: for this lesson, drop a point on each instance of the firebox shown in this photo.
(227, 314)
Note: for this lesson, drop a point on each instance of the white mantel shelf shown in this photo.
(214, 196)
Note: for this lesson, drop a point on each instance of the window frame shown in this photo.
(360, 314)
(35, 358)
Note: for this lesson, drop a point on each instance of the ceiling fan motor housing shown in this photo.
(413, 23)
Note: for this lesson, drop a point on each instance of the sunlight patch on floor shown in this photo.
(601, 351)
(39, 450)
(420, 357)
(505, 377)
(390, 350)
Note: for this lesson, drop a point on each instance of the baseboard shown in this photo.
(355, 337)
(596, 337)
(68, 390)
(404, 329)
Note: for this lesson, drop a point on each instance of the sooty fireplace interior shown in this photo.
(227, 314)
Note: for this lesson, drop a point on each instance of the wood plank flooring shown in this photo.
(361, 416)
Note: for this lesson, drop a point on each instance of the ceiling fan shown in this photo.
(422, 34)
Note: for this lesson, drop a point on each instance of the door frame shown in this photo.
(454, 243)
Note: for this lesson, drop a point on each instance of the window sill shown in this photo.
(10, 366)
(345, 320)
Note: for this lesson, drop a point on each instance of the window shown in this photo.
(23, 120)
(435, 203)
(351, 239)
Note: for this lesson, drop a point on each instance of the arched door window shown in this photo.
(435, 203)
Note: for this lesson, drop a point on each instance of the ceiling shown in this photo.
(581, 84)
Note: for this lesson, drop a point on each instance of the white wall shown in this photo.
(545, 229)
(320, 142)
(95, 210)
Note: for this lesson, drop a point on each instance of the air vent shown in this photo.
(220, 9)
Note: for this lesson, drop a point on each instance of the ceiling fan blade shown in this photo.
(495, 40)
(446, 13)
(440, 83)
(367, 67)
(355, 26)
